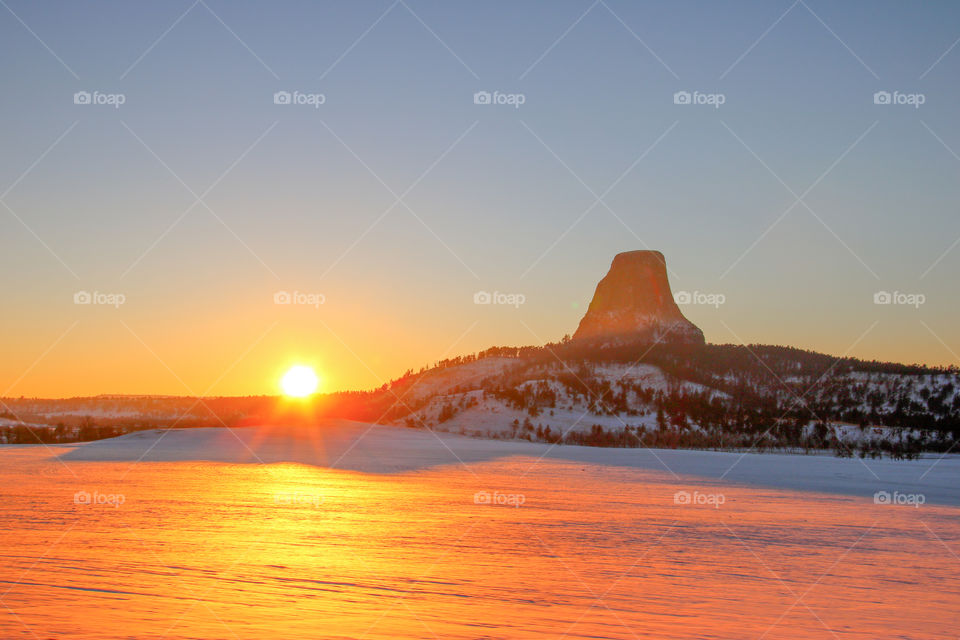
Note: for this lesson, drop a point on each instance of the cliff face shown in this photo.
(634, 302)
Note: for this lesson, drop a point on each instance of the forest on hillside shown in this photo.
(720, 396)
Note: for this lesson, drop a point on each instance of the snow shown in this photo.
(492, 416)
(385, 449)
(6, 422)
(441, 380)
(382, 533)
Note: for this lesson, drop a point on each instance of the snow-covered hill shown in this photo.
(780, 398)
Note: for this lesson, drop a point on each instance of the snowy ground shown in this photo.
(385, 533)
(380, 449)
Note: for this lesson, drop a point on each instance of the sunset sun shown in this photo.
(299, 381)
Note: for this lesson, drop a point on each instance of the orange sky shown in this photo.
(401, 195)
(227, 351)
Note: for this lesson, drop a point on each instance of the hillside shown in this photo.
(671, 395)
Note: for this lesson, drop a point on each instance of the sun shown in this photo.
(300, 381)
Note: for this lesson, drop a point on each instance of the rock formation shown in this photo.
(633, 302)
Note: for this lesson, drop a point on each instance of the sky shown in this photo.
(160, 198)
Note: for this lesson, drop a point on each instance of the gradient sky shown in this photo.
(493, 197)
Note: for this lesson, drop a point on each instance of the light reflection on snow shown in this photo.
(207, 550)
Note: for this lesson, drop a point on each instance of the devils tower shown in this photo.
(633, 302)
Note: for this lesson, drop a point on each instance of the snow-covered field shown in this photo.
(361, 531)
(383, 449)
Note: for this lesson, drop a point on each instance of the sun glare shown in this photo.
(300, 381)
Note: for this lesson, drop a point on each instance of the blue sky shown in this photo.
(492, 197)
